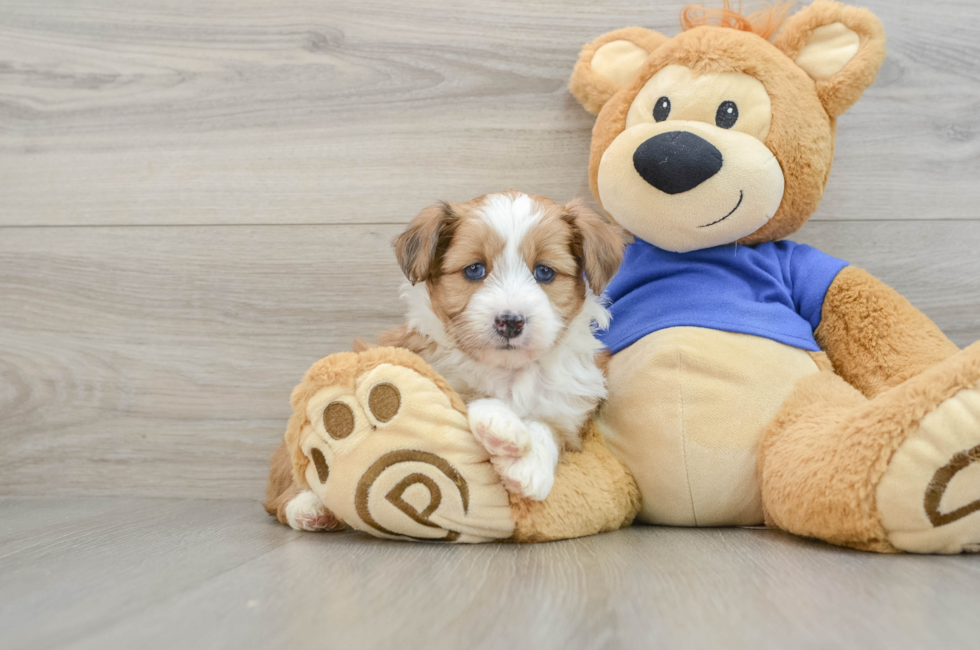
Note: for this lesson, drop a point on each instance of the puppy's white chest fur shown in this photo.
(561, 387)
(525, 412)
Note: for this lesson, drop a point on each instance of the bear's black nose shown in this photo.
(676, 162)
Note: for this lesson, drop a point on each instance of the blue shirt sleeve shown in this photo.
(811, 272)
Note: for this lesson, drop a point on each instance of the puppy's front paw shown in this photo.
(306, 512)
(533, 474)
(498, 428)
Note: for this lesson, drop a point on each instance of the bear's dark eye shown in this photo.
(661, 109)
(544, 274)
(475, 272)
(727, 115)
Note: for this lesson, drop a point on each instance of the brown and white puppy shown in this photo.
(502, 297)
(502, 300)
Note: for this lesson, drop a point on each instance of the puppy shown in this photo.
(502, 301)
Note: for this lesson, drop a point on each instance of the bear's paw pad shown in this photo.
(929, 496)
(394, 459)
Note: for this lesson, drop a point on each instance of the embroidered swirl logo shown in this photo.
(395, 495)
(940, 481)
(426, 470)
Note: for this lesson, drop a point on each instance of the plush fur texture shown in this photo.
(886, 368)
(874, 337)
(593, 493)
(280, 489)
(593, 90)
(803, 126)
(841, 91)
(801, 135)
(827, 449)
(764, 21)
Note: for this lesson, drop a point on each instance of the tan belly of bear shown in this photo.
(686, 411)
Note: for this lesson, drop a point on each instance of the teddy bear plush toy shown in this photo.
(752, 380)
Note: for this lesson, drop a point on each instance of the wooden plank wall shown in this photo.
(196, 200)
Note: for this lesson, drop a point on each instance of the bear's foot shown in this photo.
(929, 496)
(386, 447)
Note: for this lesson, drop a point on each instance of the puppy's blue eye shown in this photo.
(475, 272)
(544, 274)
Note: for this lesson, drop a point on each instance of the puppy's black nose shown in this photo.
(508, 324)
(676, 162)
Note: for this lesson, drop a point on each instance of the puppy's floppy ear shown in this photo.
(416, 248)
(608, 62)
(601, 244)
(840, 47)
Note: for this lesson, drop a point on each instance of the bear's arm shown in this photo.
(875, 338)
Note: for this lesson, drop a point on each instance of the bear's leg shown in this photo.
(900, 471)
(593, 493)
(384, 443)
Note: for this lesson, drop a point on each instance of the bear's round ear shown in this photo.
(608, 62)
(840, 47)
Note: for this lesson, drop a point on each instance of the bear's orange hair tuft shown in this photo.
(764, 21)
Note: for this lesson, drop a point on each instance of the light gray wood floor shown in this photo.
(167, 573)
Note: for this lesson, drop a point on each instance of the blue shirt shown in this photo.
(774, 290)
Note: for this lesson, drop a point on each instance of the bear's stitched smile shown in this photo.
(741, 195)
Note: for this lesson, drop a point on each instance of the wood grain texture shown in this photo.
(363, 111)
(158, 361)
(161, 359)
(196, 200)
(196, 203)
(162, 573)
